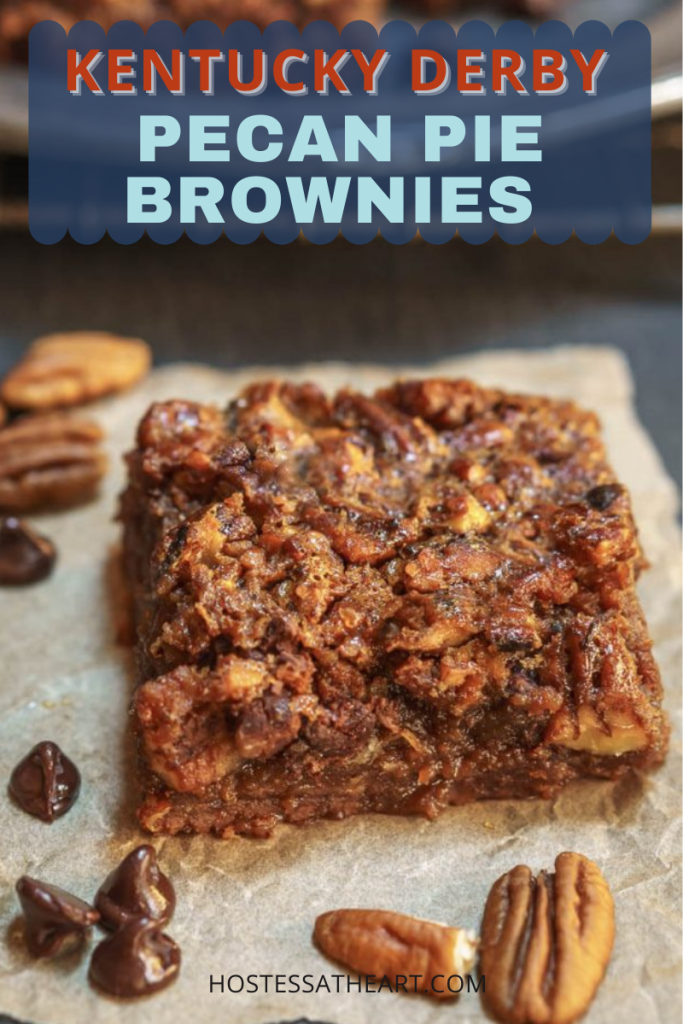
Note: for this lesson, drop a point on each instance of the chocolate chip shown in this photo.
(135, 961)
(25, 556)
(55, 921)
(601, 497)
(266, 727)
(136, 888)
(45, 783)
(342, 728)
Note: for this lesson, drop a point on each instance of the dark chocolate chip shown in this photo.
(45, 783)
(135, 960)
(513, 644)
(136, 888)
(55, 921)
(340, 729)
(601, 497)
(25, 556)
(266, 727)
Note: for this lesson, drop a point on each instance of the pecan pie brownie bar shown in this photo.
(389, 603)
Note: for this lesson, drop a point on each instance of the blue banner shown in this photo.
(322, 132)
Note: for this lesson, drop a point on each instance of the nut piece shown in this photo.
(51, 460)
(467, 515)
(386, 944)
(68, 369)
(546, 942)
(617, 732)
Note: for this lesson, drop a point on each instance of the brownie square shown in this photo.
(386, 604)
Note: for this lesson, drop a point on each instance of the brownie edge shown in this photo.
(395, 603)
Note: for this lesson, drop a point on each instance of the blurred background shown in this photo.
(233, 306)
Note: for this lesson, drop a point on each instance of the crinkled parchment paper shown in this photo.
(248, 906)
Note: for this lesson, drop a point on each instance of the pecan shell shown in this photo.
(386, 944)
(546, 942)
(49, 460)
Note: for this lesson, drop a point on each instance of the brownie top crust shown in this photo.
(436, 569)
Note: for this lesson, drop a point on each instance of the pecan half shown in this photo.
(49, 460)
(546, 942)
(386, 944)
(68, 369)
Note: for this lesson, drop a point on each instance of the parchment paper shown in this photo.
(247, 906)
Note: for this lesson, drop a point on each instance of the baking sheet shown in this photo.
(248, 906)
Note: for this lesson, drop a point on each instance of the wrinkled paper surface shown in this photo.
(248, 906)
